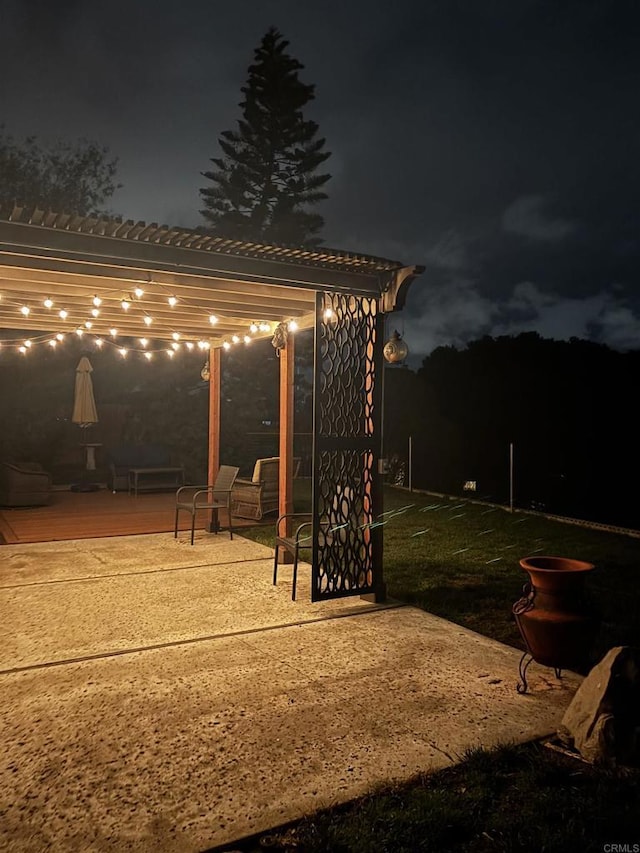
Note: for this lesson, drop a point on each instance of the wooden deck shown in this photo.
(87, 515)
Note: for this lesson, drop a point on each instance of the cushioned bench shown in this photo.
(153, 466)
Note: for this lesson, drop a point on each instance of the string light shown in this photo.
(144, 341)
(63, 314)
(213, 319)
(253, 328)
(99, 342)
(139, 292)
(26, 311)
(171, 353)
(247, 339)
(148, 320)
(176, 336)
(148, 356)
(293, 326)
(79, 332)
(48, 303)
(28, 344)
(60, 336)
(235, 339)
(172, 301)
(189, 345)
(226, 345)
(113, 333)
(53, 342)
(23, 350)
(97, 301)
(95, 312)
(88, 324)
(123, 352)
(125, 304)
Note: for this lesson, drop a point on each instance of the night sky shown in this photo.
(497, 143)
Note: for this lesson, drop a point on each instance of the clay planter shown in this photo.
(556, 621)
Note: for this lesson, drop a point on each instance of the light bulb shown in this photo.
(53, 342)
(171, 353)
(60, 336)
(97, 301)
(172, 301)
(139, 292)
(63, 314)
(148, 320)
(26, 311)
(213, 319)
(113, 333)
(176, 336)
(125, 305)
(123, 352)
(226, 345)
(95, 312)
(144, 341)
(48, 303)
(293, 326)
(148, 356)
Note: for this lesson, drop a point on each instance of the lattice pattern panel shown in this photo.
(346, 349)
(346, 439)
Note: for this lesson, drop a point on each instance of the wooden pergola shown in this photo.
(118, 281)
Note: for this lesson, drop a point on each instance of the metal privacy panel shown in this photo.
(347, 417)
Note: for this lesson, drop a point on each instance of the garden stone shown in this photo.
(603, 720)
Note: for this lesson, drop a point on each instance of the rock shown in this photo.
(603, 720)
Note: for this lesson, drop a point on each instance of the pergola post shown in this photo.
(287, 402)
(215, 369)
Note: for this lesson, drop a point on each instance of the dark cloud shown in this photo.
(494, 142)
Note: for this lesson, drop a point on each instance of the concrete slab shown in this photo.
(158, 697)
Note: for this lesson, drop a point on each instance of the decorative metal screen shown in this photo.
(347, 428)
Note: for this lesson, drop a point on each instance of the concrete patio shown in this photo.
(163, 697)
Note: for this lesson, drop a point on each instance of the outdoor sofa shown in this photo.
(154, 459)
(24, 484)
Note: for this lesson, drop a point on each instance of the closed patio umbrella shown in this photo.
(84, 404)
(85, 414)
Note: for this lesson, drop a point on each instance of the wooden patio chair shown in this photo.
(215, 497)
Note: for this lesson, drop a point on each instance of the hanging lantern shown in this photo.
(205, 373)
(395, 350)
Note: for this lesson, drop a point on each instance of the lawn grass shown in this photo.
(460, 560)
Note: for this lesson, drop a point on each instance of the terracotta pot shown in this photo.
(556, 621)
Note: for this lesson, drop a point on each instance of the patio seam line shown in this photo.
(193, 640)
(86, 578)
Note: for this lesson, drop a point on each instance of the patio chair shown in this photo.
(300, 540)
(258, 496)
(24, 484)
(215, 497)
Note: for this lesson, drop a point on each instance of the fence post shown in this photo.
(511, 477)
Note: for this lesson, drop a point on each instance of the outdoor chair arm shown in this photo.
(194, 499)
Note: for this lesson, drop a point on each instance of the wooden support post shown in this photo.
(215, 368)
(285, 484)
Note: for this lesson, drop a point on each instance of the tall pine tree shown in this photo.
(266, 178)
